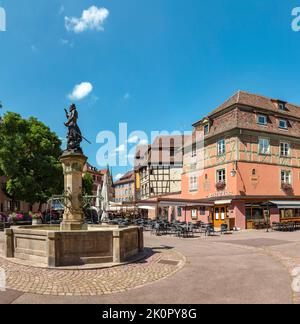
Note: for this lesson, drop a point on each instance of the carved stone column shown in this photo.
(73, 163)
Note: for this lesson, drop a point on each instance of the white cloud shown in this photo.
(91, 19)
(81, 91)
(118, 176)
(144, 142)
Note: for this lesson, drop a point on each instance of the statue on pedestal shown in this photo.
(73, 161)
(74, 134)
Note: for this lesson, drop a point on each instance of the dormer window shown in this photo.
(206, 129)
(283, 124)
(281, 106)
(262, 120)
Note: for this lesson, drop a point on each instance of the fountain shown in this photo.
(73, 243)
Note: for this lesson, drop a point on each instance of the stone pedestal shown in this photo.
(73, 163)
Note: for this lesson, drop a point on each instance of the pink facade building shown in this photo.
(248, 169)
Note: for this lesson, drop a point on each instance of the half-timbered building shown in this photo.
(159, 167)
(250, 166)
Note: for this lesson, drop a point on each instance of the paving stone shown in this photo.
(93, 282)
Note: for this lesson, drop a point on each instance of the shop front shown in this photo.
(223, 213)
(286, 211)
(256, 214)
(259, 213)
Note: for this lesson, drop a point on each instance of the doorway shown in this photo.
(220, 215)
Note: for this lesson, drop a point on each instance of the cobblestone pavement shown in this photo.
(92, 282)
(248, 267)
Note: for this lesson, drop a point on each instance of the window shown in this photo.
(206, 129)
(221, 147)
(264, 146)
(194, 150)
(283, 124)
(254, 172)
(172, 147)
(179, 212)
(281, 106)
(286, 177)
(202, 211)
(285, 149)
(193, 183)
(194, 214)
(221, 175)
(262, 120)
(172, 151)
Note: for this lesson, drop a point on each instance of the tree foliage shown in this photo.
(29, 158)
(87, 184)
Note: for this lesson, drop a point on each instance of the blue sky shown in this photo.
(157, 65)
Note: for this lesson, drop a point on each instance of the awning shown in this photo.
(146, 207)
(175, 203)
(183, 204)
(223, 202)
(286, 204)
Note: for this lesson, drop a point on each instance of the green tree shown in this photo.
(29, 158)
(87, 184)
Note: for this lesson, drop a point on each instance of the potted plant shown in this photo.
(221, 185)
(286, 187)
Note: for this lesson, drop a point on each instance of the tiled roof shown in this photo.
(128, 177)
(257, 101)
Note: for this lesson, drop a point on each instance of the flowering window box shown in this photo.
(286, 187)
(221, 185)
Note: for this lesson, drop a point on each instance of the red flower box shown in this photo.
(221, 185)
(286, 187)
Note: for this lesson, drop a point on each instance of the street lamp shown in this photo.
(233, 173)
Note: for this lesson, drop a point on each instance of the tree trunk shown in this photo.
(40, 207)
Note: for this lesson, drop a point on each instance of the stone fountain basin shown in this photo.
(51, 247)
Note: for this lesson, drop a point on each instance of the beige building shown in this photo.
(125, 188)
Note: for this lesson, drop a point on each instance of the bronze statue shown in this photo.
(74, 134)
